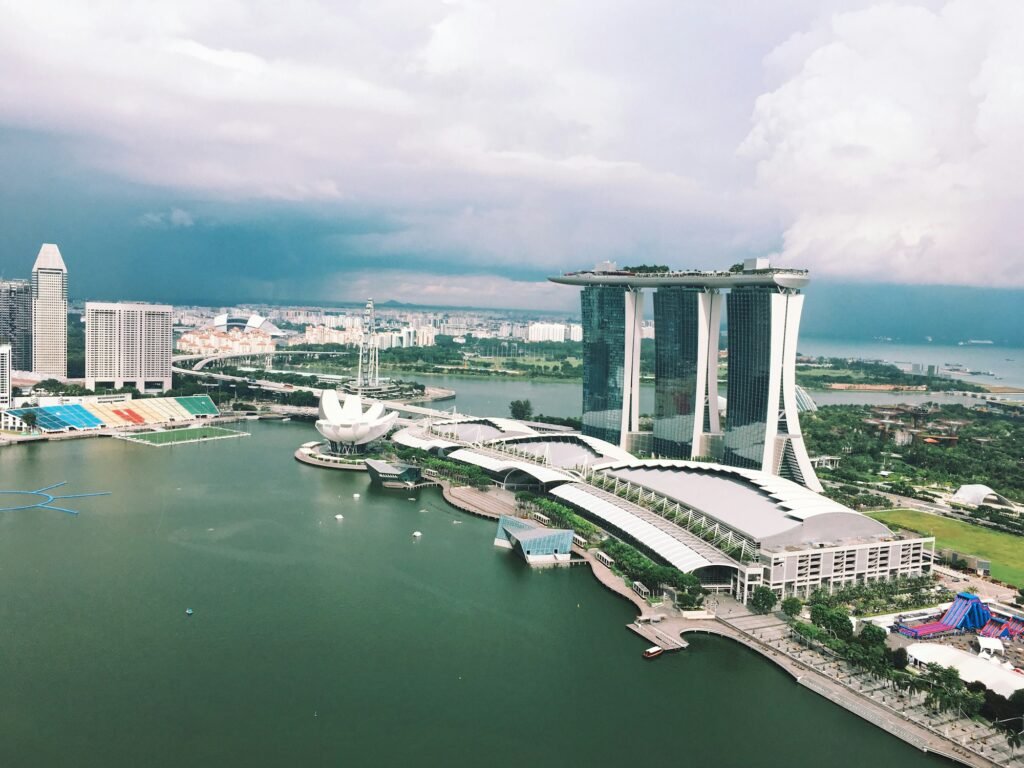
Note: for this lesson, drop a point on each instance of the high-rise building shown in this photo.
(128, 344)
(546, 332)
(5, 376)
(611, 362)
(685, 370)
(50, 313)
(762, 427)
(16, 321)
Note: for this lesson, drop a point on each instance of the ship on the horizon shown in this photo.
(974, 341)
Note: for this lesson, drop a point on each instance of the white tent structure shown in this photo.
(996, 675)
(974, 495)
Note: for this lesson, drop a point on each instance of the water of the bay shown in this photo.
(316, 642)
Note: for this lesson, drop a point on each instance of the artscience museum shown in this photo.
(347, 427)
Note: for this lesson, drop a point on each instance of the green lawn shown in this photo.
(172, 436)
(1005, 550)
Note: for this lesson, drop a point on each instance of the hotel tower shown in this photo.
(761, 429)
(50, 313)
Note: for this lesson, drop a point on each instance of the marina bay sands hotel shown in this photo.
(763, 305)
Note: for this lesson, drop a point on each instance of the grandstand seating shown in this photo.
(199, 405)
(160, 410)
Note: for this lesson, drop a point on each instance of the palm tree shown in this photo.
(1013, 740)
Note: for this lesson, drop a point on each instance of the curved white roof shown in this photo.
(767, 508)
(253, 322)
(471, 429)
(978, 494)
(567, 450)
(673, 544)
(415, 437)
(495, 464)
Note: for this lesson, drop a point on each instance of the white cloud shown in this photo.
(524, 134)
(894, 144)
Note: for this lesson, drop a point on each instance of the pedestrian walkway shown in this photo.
(491, 504)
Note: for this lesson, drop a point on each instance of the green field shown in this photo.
(1005, 550)
(189, 434)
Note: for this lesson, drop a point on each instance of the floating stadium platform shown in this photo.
(84, 416)
(967, 612)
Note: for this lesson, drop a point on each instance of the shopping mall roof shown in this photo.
(501, 464)
(568, 451)
(674, 544)
(478, 430)
(771, 510)
(416, 437)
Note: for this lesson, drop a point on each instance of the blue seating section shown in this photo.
(75, 416)
(55, 418)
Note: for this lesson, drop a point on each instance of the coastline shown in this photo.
(735, 622)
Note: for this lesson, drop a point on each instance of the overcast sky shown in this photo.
(457, 152)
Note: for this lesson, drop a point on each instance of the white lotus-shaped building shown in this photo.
(348, 426)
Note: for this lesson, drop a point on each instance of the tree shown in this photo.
(29, 418)
(900, 660)
(872, 635)
(521, 409)
(791, 606)
(763, 599)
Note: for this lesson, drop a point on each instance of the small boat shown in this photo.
(653, 652)
(355, 495)
(416, 534)
(189, 611)
(339, 517)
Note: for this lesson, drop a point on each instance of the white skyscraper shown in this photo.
(50, 313)
(128, 344)
(5, 376)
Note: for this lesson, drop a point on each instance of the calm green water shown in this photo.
(319, 643)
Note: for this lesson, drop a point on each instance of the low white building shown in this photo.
(994, 673)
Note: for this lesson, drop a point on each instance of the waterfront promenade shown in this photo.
(904, 715)
(901, 714)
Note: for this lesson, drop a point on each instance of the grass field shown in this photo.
(1004, 550)
(189, 434)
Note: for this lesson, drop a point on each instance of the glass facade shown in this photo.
(676, 368)
(16, 321)
(748, 393)
(604, 353)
